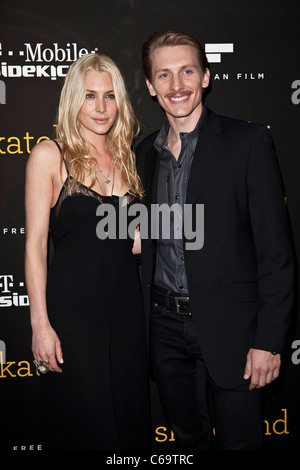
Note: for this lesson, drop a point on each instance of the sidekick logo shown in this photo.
(8, 298)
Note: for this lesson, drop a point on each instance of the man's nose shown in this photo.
(176, 83)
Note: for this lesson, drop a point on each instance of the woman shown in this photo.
(86, 310)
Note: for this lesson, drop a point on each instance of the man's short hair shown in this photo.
(170, 38)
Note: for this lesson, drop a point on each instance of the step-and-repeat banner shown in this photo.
(254, 52)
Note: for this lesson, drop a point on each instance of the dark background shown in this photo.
(266, 51)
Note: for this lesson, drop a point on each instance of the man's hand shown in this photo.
(262, 366)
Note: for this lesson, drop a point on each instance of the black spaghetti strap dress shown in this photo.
(101, 400)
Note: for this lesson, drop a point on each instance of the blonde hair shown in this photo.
(120, 137)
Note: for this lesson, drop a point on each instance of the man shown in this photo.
(219, 313)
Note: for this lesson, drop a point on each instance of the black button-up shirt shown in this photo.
(173, 179)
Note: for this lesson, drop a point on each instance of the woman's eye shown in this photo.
(89, 96)
(110, 96)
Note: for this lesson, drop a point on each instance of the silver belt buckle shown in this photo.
(177, 305)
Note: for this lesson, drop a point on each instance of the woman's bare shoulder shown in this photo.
(45, 153)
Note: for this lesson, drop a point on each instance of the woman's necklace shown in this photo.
(106, 179)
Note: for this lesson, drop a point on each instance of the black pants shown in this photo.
(200, 413)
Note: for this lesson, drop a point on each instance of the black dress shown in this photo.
(100, 400)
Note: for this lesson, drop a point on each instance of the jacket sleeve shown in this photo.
(273, 244)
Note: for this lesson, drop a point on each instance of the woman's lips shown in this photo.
(101, 121)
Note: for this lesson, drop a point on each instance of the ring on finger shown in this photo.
(42, 366)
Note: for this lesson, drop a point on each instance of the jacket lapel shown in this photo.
(208, 146)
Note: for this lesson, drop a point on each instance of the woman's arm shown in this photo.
(136, 248)
(42, 166)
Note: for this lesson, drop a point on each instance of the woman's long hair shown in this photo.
(120, 137)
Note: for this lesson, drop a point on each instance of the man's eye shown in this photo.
(164, 75)
(187, 72)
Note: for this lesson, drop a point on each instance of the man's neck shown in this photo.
(184, 124)
(177, 125)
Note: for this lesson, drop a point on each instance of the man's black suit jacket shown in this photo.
(241, 281)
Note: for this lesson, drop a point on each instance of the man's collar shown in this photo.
(161, 140)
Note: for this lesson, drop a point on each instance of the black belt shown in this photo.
(180, 304)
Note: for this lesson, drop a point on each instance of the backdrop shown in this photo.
(253, 48)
